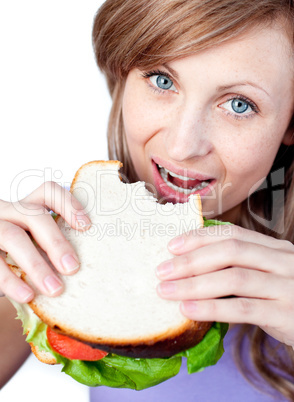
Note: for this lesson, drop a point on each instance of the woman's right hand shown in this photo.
(32, 215)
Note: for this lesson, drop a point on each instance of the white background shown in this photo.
(54, 103)
(53, 115)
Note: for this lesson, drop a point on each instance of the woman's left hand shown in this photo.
(229, 274)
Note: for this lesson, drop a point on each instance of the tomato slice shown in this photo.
(71, 348)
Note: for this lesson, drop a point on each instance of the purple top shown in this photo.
(222, 382)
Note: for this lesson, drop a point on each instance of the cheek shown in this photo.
(139, 123)
(250, 160)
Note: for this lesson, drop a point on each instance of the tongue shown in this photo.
(189, 184)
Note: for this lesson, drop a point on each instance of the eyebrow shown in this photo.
(222, 87)
(171, 71)
(240, 84)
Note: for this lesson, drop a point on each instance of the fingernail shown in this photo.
(82, 221)
(166, 288)
(69, 263)
(165, 269)
(176, 243)
(24, 293)
(52, 284)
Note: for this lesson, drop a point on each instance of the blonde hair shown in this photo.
(143, 34)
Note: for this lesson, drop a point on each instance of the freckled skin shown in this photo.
(192, 127)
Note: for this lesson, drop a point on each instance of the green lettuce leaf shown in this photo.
(214, 222)
(33, 327)
(121, 372)
(125, 372)
(208, 351)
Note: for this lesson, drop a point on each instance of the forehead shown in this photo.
(172, 45)
(265, 52)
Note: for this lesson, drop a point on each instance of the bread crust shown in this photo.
(156, 348)
(112, 163)
(162, 345)
(198, 205)
(42, 355)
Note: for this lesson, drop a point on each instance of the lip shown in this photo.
(167, 194)
(182, 172)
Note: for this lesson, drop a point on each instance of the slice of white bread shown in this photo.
(111, 302)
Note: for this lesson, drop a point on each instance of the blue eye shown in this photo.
(239, 106)
(160, 80)
(163, 82)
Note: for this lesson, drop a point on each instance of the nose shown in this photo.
(188, 134)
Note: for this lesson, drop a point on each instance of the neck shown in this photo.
(232, 216)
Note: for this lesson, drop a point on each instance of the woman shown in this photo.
(202, 102)
(189, 82)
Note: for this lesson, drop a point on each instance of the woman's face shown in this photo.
(213, 122)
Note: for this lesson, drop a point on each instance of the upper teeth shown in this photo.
(164, 174)
(185, 178)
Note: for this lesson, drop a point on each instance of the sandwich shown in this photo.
(109, 326)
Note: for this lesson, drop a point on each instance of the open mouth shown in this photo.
(182, 184)
(175, 187)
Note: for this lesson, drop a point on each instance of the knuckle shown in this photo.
(232, 246)
(236, 231)
(288, 296)
(5, 207)
(287, 245)
(244, 306)
(33, 211)
(211, 307)
(185, 260)
(287, 260)
(37, 209)
(50, 185)
(290, 262)
(237, 277)
(37, 265)
(59, 242)
(10, 232)
(50, 191)
(189, 287)
(7, 279)
(289, 307)
(38, 193)
(5, 282)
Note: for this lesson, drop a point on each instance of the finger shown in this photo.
(226, 253)
(60, 252)
(30, 216)
(38, 221)
(233, 281)
(234, 310)
(47, 234)
(12, 286)
(59, 200)
(23, 252)
(213, 234)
